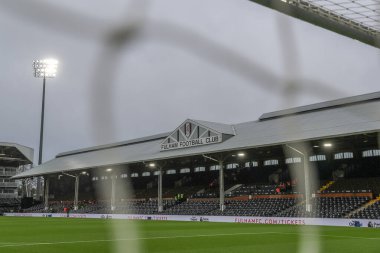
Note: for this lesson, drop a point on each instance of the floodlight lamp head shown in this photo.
(46, 68)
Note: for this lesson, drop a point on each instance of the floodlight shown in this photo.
(241, 154)
(327, 145)
(46, 68)
(109, 170)
(152, 165)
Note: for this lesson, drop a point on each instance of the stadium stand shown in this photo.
(255, 207)
(193, 207)
(355, 185)
(326, 207)
(345, 197)
(9, 204)
(264, 164)
(370, 210)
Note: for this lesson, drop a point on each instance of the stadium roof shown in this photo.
(350, 116)
(12, 152)
(357, 19)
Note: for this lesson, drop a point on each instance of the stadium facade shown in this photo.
(333, 136)
(14, 158)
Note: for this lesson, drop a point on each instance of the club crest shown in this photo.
(187, 129)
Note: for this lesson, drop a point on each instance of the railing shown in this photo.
(7, 173)
(8, 195)
(8, 184)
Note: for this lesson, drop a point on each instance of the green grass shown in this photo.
(19, 234)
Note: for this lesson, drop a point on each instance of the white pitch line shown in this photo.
(129, 239)
(182, 236)
(333, 236)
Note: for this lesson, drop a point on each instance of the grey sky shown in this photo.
(159, 84)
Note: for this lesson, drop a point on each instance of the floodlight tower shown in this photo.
(46, 68)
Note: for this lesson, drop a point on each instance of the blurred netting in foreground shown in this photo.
(116, 37)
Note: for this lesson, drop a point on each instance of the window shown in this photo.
(104, 178)
(270, 162)
(344, 155)
(293, 160)
(315, 158)
(124, 175)
(371, 153)
(251, 164)
(156, 173)
(146, 174)
(95, 179)
(214, 167)
(199, 169)
(184, 170)
(135, 174)
(231, 166)
(171, 172)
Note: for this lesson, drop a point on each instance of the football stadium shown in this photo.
(300, 179)
(213, 186)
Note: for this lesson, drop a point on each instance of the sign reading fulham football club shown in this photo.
(191, 134)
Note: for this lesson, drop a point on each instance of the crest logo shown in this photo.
(188, 129)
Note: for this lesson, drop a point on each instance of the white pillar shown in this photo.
(306, 171)
(221, 186)
(39, 188)
(46, 195)
(307, 182)
(28, 188)
(76, 194)
(23, 188)
(159, 199)
(113, 193)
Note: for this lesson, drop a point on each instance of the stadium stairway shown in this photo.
(366, 205)
(326, 186)
(236, 186)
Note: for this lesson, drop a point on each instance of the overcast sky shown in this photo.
(158, 83)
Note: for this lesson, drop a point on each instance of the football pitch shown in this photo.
(21, 234)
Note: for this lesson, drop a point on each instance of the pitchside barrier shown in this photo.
(231, 219)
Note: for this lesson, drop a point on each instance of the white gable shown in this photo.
(192, 133)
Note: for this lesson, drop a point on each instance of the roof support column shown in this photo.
(221, 185)
(28, 188)
(76, 192)
(76, 188)
(306, 170)
(23, 188)
(113, 193)
(220, 161)
(307, 182)
(159, 199)
(46, 194)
